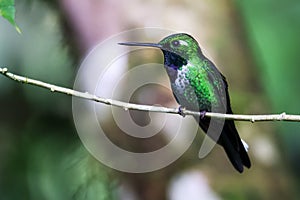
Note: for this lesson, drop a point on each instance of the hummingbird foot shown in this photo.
(202, 114)
(181, 110)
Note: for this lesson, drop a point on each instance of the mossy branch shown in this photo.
(131, 106)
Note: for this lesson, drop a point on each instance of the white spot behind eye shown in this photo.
(183, 43)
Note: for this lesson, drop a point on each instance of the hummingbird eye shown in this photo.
(175, 43)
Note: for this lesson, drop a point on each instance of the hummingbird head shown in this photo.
(177, 49)
(181, 44)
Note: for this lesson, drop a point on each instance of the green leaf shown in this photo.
(7, 10)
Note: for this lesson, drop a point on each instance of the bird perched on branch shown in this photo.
(198, 85)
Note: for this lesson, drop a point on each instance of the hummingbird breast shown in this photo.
(190, 89)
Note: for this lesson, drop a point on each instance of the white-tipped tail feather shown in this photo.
(245, 145)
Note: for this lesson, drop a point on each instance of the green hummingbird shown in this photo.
(199, 86)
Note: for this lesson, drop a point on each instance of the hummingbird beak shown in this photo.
(141, 44)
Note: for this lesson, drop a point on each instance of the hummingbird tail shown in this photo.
(236, 158)
(234, 149)
(231, 142)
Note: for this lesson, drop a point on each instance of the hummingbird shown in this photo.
(198, 85)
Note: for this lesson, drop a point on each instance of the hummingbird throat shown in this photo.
(173, 60)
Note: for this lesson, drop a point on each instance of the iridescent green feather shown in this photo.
(199, 80)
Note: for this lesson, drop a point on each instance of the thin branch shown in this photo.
(131, 106)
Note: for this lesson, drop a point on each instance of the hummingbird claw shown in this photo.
(181, 110)
(202, 114)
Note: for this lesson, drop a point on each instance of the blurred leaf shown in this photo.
(274, 33)
(7, 10)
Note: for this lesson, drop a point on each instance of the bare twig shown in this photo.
(131, 106)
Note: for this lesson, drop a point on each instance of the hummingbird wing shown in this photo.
(229, 138)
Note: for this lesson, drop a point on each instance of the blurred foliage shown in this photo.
(7, 10)
(40, 153)
(42, 157)
(274, 29)
(51, 164)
